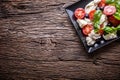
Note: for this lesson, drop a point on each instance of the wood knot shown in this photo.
(20, 6)
(23, 5)
(3, 11)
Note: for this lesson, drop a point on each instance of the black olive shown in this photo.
(109, 24)
(101, 8)
(86, 15)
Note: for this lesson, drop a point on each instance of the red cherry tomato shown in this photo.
(91, 14)
(114, 21)
(102, 3)
(87, 29)
(109, 10)
(101, 31)
(79, 13)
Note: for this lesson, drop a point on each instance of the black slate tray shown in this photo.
(70, 11)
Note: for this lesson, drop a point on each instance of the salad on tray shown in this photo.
(99, 19)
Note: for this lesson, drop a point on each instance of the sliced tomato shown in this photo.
(101, 31)
(102, 3)
(91, 14)
(114, 21)
(79, 13)
(87, 29)
(109, 10)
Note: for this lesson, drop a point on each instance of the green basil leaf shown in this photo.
(96, 25)
(97, 16)
(110, 1)
(108, 29)
(96, 30)
(117, 4)
(118, 28)
(117, 15)
(96, 20)
(114, 29)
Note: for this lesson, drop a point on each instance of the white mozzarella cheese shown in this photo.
(88, 21)
(103, 19)
(90, 41)
(90, 6)
(94, 35)
(110, 36)
(105, 24)
(82, 22)
(97, 1)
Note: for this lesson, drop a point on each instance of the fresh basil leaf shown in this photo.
(96, 20)
(109, 29)
(118, 27)
(96, 25)
(96, 30)
(110, 1)
(97, 16)
(117, 4)
(117, 15)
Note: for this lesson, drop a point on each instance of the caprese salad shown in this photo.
(99, 18)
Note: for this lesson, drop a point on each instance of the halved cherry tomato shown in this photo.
(114, 21)
(79, 13)
(87, 29)
(102, 3)
(91, 14)
(109, 10)
(101, 31)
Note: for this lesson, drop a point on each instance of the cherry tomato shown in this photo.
(87, 29)
(91, 14)
(79, 13)
(101, 31)
(109, 10)
(114, 21)
(102, 3)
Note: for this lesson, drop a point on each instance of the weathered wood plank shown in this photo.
(59, 69)
(37, 41)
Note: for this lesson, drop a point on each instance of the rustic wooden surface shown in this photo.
(38, 42)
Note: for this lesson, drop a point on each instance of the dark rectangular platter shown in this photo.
(70, 11)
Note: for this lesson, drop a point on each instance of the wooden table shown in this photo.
(38, 42)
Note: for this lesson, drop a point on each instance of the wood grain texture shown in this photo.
(38, 42)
